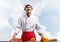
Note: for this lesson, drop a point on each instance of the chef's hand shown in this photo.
(13, 37)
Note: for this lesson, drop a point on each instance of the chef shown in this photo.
(28, 23)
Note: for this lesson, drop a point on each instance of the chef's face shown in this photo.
(28, 9)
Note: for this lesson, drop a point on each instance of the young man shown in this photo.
(28, 23)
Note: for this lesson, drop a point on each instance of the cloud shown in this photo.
(45, 32)
(8, 10)
(54, 17)
(57, 35)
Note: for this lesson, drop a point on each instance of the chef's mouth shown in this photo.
(28, 9)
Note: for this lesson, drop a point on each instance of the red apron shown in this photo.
(27, 36)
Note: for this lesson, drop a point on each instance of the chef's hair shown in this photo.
(27, 6)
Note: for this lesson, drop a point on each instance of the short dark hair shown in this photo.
(27, 6)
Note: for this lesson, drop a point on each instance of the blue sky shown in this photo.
(50, 17)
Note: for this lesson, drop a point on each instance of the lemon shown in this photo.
(45, 39)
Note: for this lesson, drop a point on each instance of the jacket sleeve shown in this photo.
(19, 25)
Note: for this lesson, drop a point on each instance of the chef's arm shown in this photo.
(41, 34)
(40, 31)
(42, 37)
(14, 35)
(17, 29)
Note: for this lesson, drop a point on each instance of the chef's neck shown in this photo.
(28, 14)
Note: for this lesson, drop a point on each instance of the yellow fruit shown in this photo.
(45, 39)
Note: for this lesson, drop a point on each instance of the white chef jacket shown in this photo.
(28, 24)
